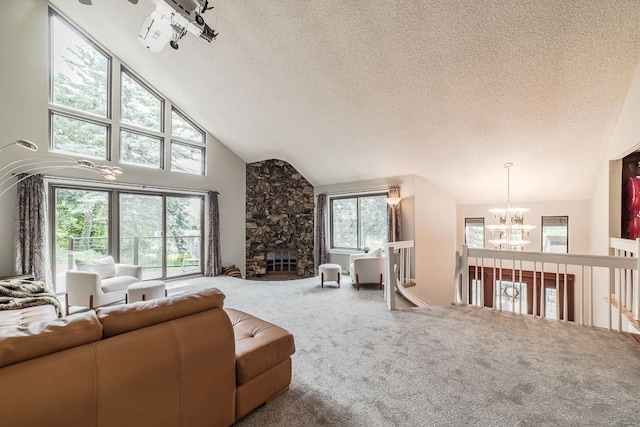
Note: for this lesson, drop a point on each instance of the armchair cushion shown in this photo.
(105, 267)
(118, 283)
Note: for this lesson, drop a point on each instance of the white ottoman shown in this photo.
(329, 273)
(143, 291)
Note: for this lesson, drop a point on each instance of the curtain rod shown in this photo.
(374, 190)
(111, 184)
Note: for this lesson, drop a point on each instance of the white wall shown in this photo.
(435, 237)
(576, 210)
(428, 218)
(24, 115)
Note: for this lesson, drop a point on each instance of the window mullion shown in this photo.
(359, 234)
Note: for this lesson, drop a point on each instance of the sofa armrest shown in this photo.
(368, 269)
(353, 257)
(129, 270)
(81, 285)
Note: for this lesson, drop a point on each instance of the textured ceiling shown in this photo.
(356, 90)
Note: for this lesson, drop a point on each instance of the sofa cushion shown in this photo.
(27, 315)
(105, 267)
(119, 319)
(260, 345)
(19, 343)
(118, 283)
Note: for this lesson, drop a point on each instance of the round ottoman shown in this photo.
(329, 273)
(143, 291)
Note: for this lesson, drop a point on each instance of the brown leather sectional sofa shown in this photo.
(180, 361)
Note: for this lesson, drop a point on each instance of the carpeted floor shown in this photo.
(357, 364)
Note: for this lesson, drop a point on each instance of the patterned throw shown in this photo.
(16, 294)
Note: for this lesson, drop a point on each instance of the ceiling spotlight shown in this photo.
(87, 2)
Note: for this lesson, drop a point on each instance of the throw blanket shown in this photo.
(16, 294)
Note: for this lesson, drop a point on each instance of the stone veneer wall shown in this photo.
(280, 208)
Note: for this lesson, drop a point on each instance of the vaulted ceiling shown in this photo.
(364, 89)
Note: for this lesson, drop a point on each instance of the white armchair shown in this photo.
(99, 282)
(367, 268)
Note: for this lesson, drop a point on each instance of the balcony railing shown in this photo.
(182, 251)
(600, 283)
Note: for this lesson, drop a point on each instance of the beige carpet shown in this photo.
(357, 364)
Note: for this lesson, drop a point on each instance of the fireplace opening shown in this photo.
(282, 261)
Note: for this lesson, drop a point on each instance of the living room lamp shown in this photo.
(31, 167)
(393, 202)
(21, 143)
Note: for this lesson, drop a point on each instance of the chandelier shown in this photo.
(511, 229)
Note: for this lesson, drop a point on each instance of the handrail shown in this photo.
(618, 289)
(398, 256)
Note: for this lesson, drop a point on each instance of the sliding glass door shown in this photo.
(184, 235)
(141, 226)
(163, 233)
(82, 229)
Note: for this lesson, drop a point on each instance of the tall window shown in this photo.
(555, 234)
(79, 98)
(474, 232)
(82, 122)
(359, 222)
(141, 140)
(187, 145)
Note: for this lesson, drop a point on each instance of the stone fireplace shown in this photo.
(279, 220)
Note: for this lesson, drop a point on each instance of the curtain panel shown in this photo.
(394, 192)
(32, 254)
(321, 250)
(213, 266)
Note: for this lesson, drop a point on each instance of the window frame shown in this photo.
(161, 134)
(542, 226)
(466, 224)
(357, 196)
(187, 142)
(70, 112)
(163, 102)
(113, 119)
(114, 192)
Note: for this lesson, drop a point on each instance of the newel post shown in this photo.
(464, 265)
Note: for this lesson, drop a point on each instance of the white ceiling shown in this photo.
(365, 89)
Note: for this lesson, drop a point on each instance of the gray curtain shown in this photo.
(394, 192)
(32, 255)
(321, 250)
(213, 266)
